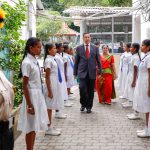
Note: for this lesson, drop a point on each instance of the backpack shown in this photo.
(6, 97)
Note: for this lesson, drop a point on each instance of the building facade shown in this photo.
(109, 25)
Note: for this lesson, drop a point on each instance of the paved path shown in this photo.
(106, 128)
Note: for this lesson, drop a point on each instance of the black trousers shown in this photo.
(87, 92)
(6, 136)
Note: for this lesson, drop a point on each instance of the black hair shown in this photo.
(121, 42)
(128, 45)
(85, 33)
(106, 46)
(65, 47)
(137, 47)
(146, 42)
(71, 49)
(96, 43)
(47, 47)
(31, 42)
(58, 45)
(66, 43)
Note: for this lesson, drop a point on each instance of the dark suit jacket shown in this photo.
(84, 66)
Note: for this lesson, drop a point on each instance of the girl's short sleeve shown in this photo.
(26, 69)
(148, 62)
(48, 64)
(136, 61)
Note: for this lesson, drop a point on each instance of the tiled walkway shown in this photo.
(106, 128)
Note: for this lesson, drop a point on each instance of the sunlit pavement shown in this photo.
(106, 128)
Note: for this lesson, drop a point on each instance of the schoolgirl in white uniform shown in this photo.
(132, 74)
(124, 69)
(53, 87)
(69, 66)
(119, 80)
(141, 101)
(32, 119)
(60, 62)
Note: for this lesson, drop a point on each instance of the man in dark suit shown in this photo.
(87, 56)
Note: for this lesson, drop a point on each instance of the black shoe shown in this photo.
(89, 111)
(82, 108)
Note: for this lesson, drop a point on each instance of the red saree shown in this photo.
(104, 86)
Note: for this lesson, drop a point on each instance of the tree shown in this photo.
(53, 5)
(69, 3)
(47, 27)
(60, 5)
(120, 2)
(11, 43)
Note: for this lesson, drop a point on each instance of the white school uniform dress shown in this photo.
(119, 80)
(56, 102)
(39, 121)
(129, 90)
(70, 66)
(124, 71)
(141, 101)
(60, 62)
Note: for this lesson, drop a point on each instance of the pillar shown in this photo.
(145, 29)
(112, 34)
(82, 30)
(136, 23)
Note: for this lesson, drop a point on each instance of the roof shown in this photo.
(94, 13)
(66, 31)
(89, 10)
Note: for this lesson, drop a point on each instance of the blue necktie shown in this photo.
(72, 65)
(40, 77)
(59, 73)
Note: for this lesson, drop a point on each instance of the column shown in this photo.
(112, 34)
(32, 18)
(82, 30)
(145, 29)
(136, 29)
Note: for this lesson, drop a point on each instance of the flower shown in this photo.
(1, 25)
(2, 18)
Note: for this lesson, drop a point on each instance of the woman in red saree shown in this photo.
(105, 84)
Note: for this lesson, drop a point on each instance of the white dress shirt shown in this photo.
(88, 46)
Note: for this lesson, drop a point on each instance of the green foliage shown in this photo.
(76, 28)
(54, 5)
(47, 27)
(120, 2)
(60, 5)
(10, 39)
(69, 3)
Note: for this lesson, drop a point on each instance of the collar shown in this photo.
(50, 56)
(148, 53)
(86, 44)
(32, 58)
